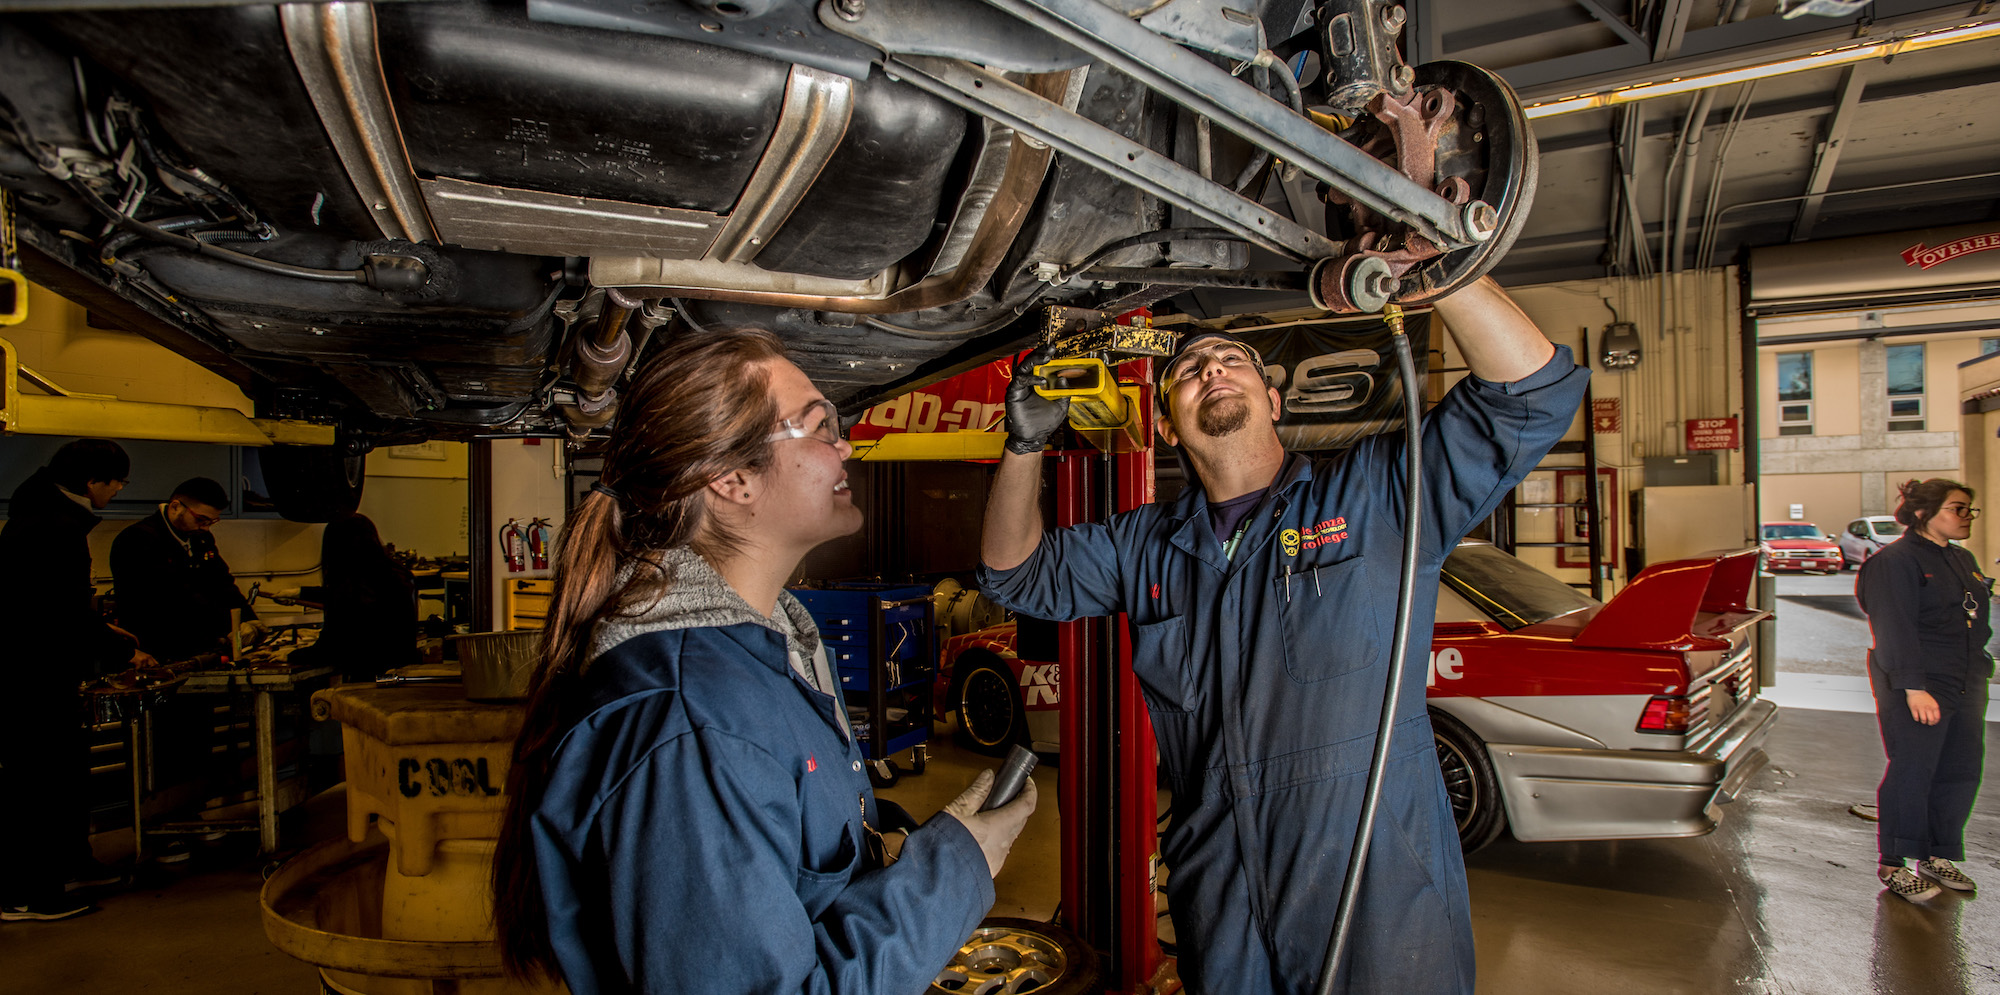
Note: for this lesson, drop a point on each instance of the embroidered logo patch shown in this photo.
(1290, 537)
(812, 763)
(1330, 531)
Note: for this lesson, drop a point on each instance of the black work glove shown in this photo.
(1032, 418)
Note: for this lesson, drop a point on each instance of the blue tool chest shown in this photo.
(882, 640)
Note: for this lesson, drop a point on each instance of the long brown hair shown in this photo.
(699, 409)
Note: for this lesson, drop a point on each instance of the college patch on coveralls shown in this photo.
(1324, 534)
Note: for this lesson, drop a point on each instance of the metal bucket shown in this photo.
(498, 665)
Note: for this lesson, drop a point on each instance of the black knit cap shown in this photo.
(1202, 335)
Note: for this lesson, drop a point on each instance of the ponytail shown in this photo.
(696, 411)
(587, 559)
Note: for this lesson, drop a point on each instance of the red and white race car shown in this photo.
(1556, 716)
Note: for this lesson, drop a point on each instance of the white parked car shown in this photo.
(1864, 536)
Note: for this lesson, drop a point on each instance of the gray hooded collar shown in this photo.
(698, 597)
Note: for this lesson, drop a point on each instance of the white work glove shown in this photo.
(994, 831)
(252, 632)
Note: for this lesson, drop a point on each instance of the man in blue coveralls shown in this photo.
(1261, 607)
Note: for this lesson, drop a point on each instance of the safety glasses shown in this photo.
(1187, 364)
(820, 420)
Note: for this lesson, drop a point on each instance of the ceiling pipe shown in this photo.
(1769, 201)
(1689, 154)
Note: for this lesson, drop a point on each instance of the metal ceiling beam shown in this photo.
(1672, 31)
(1516, 28)
(1949, 191)
(1725, 46)
(1596, 139)
(1426, 32)
(1567, 241)
(1613, 21)
(1826, 155)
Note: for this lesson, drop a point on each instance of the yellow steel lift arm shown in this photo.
(62, 412)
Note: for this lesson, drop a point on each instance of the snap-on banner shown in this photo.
(970, 401)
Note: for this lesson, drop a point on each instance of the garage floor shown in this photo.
(1781, 899)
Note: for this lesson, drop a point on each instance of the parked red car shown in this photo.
(1798, 546)
(1556, 716)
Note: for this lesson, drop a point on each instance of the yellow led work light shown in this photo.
(1094, 398)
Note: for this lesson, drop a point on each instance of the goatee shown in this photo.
(1223, 417)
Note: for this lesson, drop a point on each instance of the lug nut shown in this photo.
(1481, 220)
(1404, 76)
(1393, 18)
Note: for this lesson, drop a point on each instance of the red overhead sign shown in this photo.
(1926, 256)
(1713, 433)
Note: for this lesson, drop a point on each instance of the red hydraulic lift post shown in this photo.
(1108, 797)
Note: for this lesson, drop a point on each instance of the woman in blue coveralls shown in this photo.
(687, 808)
(1928, 606)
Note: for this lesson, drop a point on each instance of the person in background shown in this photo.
(174, 590)
(1928, 607)
(688, 809)
(369, 600)
(55, 641)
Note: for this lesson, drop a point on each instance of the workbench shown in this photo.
(267, 684)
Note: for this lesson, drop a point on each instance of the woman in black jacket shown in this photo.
(370, 602)
(1928, 605)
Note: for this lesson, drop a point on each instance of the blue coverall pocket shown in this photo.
(1164, 665)
(818, 887)
(1332, 625)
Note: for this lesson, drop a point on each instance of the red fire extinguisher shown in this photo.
(539, 537)
(513, 545)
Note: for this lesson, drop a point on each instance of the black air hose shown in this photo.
(1350, 889)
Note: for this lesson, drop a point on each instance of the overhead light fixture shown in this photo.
(1844, 56)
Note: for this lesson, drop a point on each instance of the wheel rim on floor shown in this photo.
(1008, 956)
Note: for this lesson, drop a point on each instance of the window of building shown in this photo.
(1989, 346)
(1795, 393)
(1906, 387)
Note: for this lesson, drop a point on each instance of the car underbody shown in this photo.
(447, 220)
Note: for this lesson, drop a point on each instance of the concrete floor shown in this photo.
(1821, 629)
(1780, 899)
